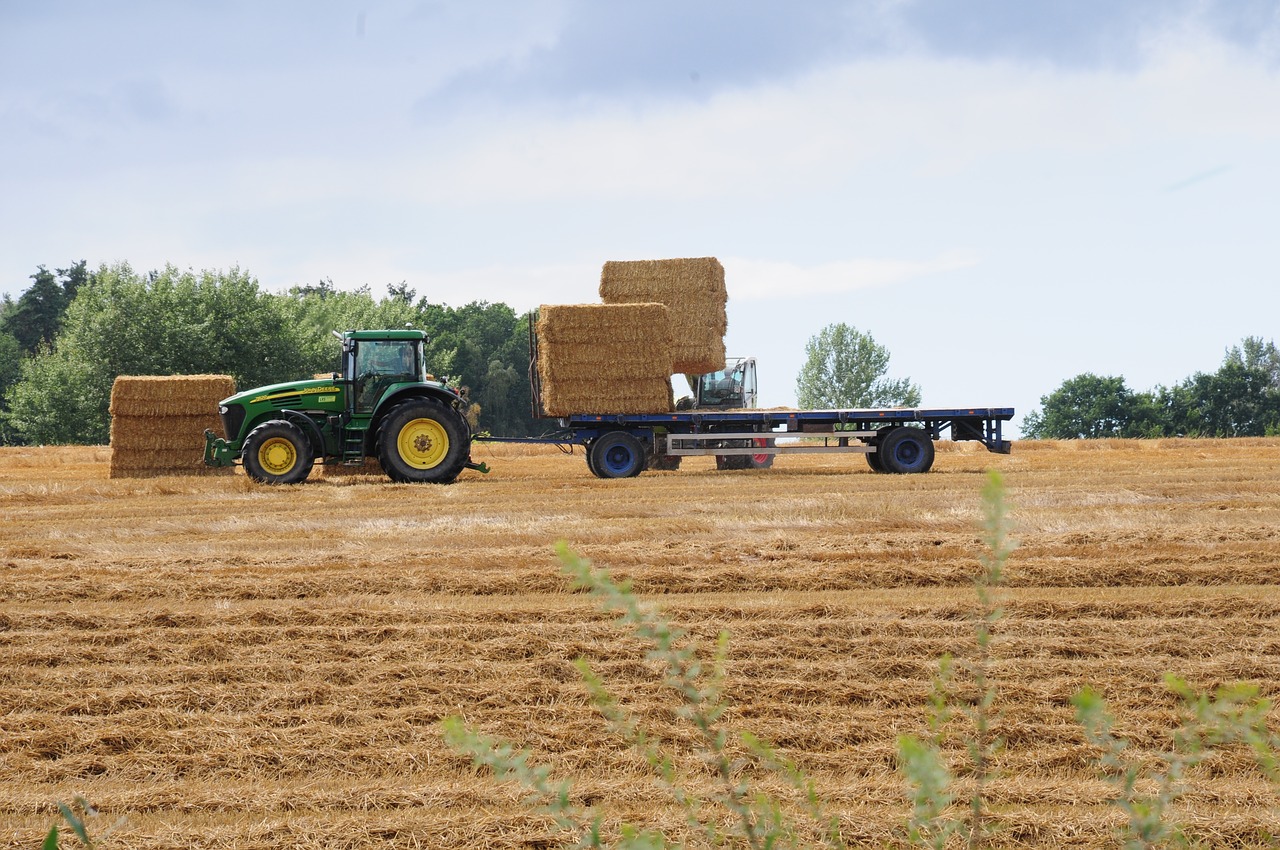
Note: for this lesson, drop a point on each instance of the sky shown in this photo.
(1004, 194)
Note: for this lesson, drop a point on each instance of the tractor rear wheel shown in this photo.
(906, 450)
(278, 452)
(422, 441)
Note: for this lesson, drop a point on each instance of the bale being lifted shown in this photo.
(694, 292)
(604, 358)
(158, 423)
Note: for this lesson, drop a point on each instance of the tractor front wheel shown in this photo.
(277, 452)
(422, 441)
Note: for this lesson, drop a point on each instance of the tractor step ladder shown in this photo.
(352, 446)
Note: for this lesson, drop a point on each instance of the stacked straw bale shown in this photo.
(604, 358)
(158, 423)
(693, 290)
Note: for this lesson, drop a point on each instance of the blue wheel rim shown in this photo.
(907, 452)
(619, 459)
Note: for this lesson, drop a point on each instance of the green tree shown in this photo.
(845, 367)
(484, 347)
(10, 371)
(312, 313)
(34, 319)
(1236, 401)
(60, 399)
(167, 322)
(1089, 406)
(1254, 353)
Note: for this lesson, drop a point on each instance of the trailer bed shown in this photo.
(893, 439)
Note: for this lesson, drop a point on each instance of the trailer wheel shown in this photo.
(617, 455)
(906, 450)
(277, 452)
(874, 458)
(421, 441)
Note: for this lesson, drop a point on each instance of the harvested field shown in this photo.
(230, 665)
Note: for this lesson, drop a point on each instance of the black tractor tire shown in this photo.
(665, 463)
(423, 441)
(278, 452)
(617, 454)
(729, 462)
(906, 451)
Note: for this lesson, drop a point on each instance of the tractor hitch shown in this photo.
(217, 451)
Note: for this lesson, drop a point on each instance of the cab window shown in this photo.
(381, 363)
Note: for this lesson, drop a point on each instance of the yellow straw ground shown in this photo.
(229, 665)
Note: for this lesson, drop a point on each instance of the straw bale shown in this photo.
(162, 432)
(141, 463)
(158, 422)
(169, 395)
(604, 358)
(693, 289)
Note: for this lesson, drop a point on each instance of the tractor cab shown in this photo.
(374, 363)
(731, 388)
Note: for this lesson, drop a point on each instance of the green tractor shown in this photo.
(383, 405)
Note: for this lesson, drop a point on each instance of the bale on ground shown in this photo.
(158, 423)
(162, 432)
(694, 291)
(604, 358)
(169, 395)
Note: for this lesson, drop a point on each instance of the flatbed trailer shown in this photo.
(893, 440)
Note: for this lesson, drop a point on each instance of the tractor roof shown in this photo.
(387, 334)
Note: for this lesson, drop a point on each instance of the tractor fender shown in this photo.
(308, 426)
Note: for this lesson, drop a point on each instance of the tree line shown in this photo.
(74, 330)
(1240, 399)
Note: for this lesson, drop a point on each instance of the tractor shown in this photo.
(382, 404)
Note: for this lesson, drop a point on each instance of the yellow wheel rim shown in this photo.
(277, 456)
(423, 443)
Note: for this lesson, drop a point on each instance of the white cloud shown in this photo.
(940, 116)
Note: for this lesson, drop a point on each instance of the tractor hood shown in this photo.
(289, 394)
